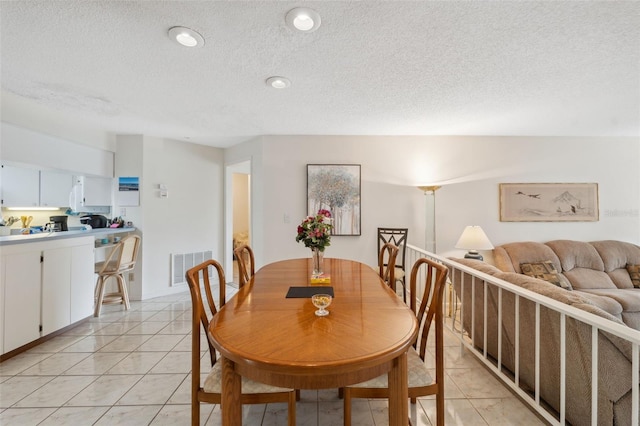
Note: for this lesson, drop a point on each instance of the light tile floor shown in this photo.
(132, 368)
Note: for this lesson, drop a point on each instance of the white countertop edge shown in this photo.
(21, 239)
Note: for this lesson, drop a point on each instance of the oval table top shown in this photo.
(281, 341)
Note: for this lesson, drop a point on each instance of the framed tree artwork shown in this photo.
(335, 187)
(549, 202)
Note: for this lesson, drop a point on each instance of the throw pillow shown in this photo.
(634, 273)
(547, 272)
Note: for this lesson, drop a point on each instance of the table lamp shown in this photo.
(473, 239)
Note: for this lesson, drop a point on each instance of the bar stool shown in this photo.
(121, 259)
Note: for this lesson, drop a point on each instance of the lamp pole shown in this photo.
(430, 213)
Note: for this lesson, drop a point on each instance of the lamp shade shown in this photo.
(474, 238)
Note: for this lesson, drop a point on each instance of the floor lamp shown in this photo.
(430, 220)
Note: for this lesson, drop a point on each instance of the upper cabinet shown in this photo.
(97, 191)
(30, 187)
(55, 188)
(89, 193)
(20, 187)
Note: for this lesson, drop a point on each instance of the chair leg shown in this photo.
(99, 295)
(123, 291)
(440, 406)
(195, 411)
(346, 393)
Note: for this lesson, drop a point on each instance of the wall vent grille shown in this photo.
(182, 262)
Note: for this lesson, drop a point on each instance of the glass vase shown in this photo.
(317, 257)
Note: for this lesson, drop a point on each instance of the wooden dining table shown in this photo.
(269, 338)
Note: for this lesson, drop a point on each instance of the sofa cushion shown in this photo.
(581, 264)
(576, 254)
(547, 272)
(616, 255)
(544, 288)
(603, 302)
(634, 274)
(509, 257)
(628, 298)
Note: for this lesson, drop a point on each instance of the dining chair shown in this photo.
(387, 263)
(430, 311)
(246, 263)
(398, 237)
(122, 258)
(210, 392)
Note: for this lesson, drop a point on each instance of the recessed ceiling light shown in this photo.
(278, 82)
(303, 19)
(186, 36)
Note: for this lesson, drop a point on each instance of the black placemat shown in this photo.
(300, 292)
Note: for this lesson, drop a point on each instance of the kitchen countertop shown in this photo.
(43, 236)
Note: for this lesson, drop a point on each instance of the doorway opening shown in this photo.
(238, 214)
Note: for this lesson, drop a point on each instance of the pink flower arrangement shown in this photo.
(315, 231)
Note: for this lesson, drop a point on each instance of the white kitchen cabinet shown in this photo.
(2, 299)
(47, 286)
(30, 187)
(97, 191)
(22, 279)
(56, 289)
(55, 188)
(20, 186)
(82, 280)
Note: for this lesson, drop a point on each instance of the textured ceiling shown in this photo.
(548, 68)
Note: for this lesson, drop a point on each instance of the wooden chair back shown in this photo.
(397, 237)
(387, 264)
(431, 306)
(246, 264)
(201, 314)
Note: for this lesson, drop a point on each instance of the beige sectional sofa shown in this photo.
(599, 283)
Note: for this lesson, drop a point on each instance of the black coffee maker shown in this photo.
(58, 223)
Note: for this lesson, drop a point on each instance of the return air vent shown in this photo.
(182, 262)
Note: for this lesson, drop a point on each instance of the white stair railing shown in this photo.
(531, 392)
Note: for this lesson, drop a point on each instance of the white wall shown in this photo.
(26, 146)
(469, 168)
(190, 219)
(24, 112)
(130, 152)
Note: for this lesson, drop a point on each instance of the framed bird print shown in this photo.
(549, 202)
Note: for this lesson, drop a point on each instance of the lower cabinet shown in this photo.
(82, 281)
(46, 286)
(56, 289)
(22, 278)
